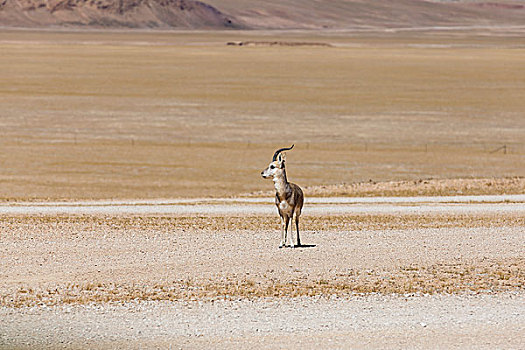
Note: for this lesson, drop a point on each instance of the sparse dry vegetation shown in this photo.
(27, 225)
(163, 115)
(89, 259)
(478, 276)
(427, 187)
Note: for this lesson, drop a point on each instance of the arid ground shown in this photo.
(133, 214)
(374, 272)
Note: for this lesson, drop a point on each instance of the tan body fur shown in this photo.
(289, 197)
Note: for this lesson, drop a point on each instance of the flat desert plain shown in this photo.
(133, 214)
(118, 115)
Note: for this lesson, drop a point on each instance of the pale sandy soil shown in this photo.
(198, 279)
(382, 322)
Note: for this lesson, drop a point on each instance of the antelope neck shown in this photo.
(281, 185)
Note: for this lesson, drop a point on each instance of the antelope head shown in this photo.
(276, 167)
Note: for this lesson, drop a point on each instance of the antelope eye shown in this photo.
(272, 166)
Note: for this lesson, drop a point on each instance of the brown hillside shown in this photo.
(113, 13)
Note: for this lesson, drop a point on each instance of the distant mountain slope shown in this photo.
(113, 13)
(259, 14)
(338, 14)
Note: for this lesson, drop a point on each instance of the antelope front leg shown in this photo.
(283, 234)
(291, 232)
(287, 223)
(285, 231)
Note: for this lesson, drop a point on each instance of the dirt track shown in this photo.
(160, 265)
(264, 206)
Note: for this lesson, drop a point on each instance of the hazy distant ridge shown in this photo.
(258, 14)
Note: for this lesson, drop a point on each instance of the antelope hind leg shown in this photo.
(297, 229)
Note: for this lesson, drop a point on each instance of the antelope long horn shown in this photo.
(280, 150)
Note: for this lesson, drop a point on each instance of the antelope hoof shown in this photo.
(280, 246)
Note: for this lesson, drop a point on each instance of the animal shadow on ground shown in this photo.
(303, 246)
(306, 246)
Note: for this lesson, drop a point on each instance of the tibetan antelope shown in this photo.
(289, 197)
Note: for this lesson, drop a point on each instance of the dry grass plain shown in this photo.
(89, 115)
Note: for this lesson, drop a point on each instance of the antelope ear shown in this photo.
(281, 159)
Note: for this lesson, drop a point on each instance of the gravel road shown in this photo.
(264, 206)
(180, 274)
